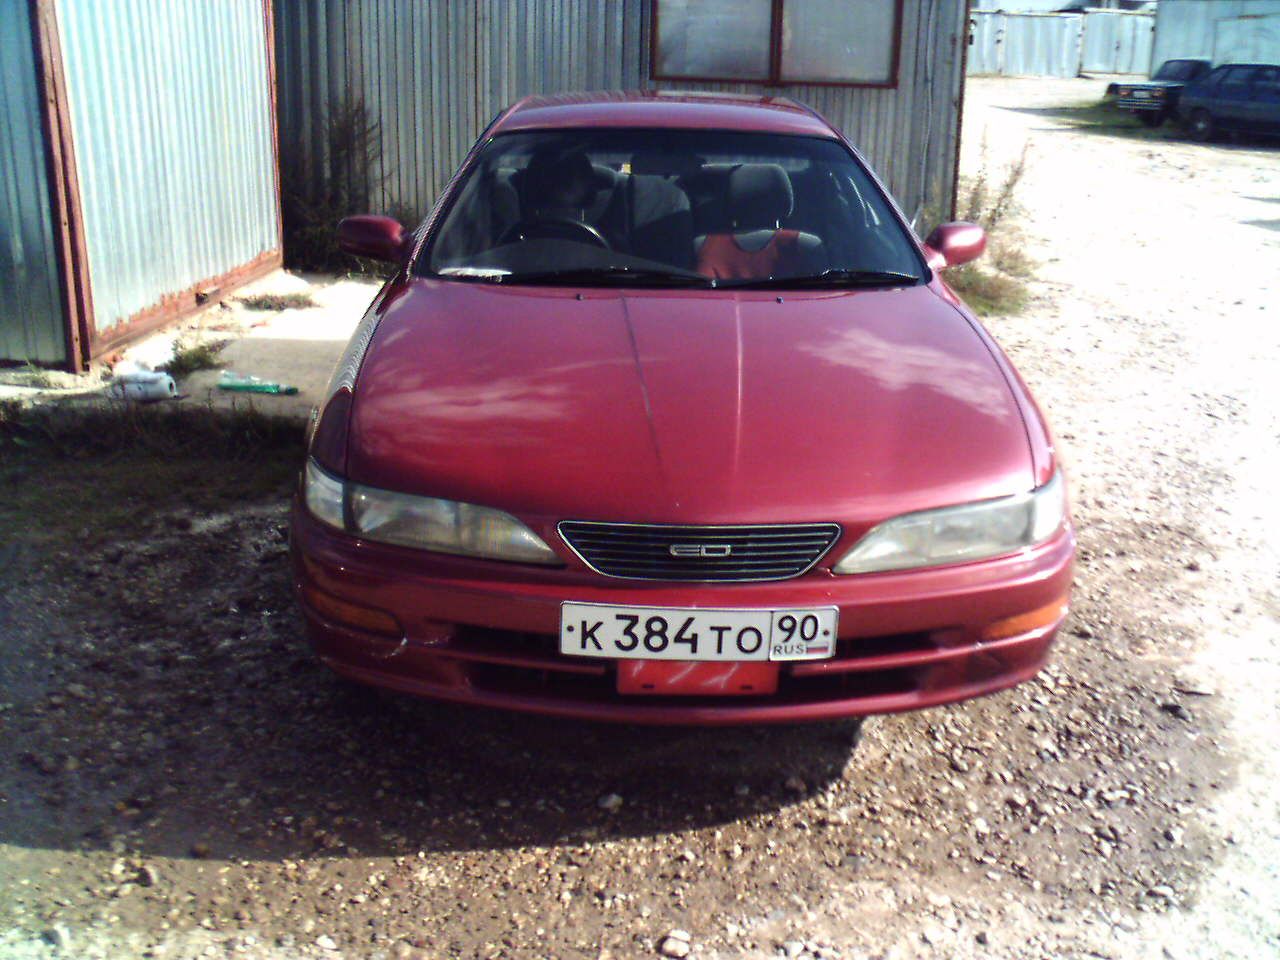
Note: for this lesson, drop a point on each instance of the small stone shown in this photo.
(795, 784)
(981, 827)
(148, 876)
(792, 948)
(1161, 891)
(1176, 710)
(679, 934)
(610, 803)
(200, 851)
(688, 856)
(1173, 835)
(326, 942)
(58, 936)
(982, 938)
(673, 947)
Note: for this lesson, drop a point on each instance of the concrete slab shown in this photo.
(297, 345)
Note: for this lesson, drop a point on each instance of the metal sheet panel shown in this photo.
(170, 106)
(1038, 45)
(32, 320)
(1117, 42)
(1186, 28)
(1254, 39)
(986, 44)
(434, 74)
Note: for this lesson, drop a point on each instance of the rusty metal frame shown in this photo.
(83, 341)
(775, 78)
(268, 14)
(966, 37)
(64, 185)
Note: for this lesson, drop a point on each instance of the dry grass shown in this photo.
(278, 301)
(188, 358)
(997, 285)
(79, 476)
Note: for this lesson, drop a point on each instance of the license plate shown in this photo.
(1141, 95)
(703, 634)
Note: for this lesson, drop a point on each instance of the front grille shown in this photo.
(641, 551)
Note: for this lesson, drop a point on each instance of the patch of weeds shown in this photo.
(997, 286)
(278, 301)
(1105, 117)
(77, 477)
(188, 358)
(988, 292)
(319, 188)
(164, 430)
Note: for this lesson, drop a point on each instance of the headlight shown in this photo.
(973, 531)
(444, 526)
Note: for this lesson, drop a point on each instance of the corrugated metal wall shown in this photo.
(1042, 46)
(1118, 42)
(433, 74)
(32, 322)
(1188, 28)
(1060, 44)
(170, 107)
(1025, 45)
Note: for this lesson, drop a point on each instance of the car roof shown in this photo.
(671, 109)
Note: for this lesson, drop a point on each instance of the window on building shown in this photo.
(853, 42)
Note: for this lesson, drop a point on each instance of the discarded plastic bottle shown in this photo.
(243, 383)
(144, 385)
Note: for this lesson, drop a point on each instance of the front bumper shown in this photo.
(1142, 105)
(486, 633)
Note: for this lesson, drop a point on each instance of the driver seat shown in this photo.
(758, 198)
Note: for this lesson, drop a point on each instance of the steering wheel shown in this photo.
(554, 228)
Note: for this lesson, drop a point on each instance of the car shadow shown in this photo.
(185, 716)
(1102, 119)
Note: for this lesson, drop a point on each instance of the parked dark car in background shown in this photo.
(1236, 97)
(1154, 101)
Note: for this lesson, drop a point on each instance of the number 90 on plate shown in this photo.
(725, 635)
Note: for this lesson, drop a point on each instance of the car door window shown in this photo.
(1266, 84)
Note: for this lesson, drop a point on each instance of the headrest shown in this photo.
(759, 196)
(665, 163)
(559, 179)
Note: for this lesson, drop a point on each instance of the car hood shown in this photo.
(688, 406)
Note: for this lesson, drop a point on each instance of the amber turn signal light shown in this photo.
(1045, 616)
(350, 614)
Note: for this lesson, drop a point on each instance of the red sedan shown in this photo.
(667, 417)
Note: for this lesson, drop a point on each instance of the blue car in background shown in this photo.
(1236, 97)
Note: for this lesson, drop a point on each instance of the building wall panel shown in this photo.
(32, 321)
(170, 106)
(434, 74)
(1188, 28)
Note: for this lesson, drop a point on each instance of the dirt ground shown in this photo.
(180, 778)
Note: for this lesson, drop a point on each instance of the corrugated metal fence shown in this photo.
(137, 163)
(171, 111)
(1116, 41)
(32, 322)
(1059, 44)
(1218, 30)
(431, 76)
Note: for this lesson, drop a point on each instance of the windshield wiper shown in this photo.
(829, 278)
(598, 276)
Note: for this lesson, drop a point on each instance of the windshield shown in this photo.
(1176, 70)
(621, 207)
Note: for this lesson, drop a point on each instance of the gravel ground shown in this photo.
(181, 779)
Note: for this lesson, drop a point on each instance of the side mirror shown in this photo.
(379, 238)
(952, 244)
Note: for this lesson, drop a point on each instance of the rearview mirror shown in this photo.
(952, 244)
(379, 238)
